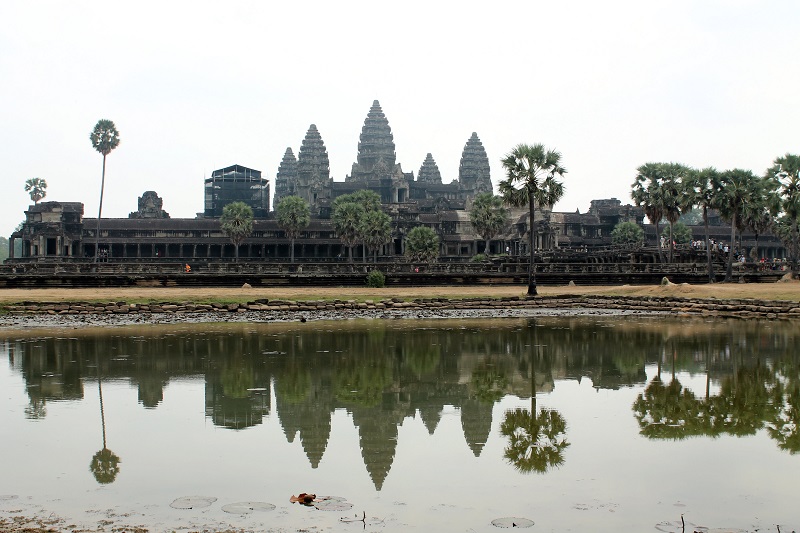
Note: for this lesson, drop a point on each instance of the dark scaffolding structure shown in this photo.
(236, 184)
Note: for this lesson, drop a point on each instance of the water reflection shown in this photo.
(384, 372)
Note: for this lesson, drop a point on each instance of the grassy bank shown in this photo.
(722, 291)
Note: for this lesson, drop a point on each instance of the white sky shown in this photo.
(195, 85)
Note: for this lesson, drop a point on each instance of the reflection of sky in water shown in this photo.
(611, 479)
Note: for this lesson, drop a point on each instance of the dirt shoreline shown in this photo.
(81, 308)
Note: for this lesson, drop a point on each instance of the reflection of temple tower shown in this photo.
(377, 432)
(286, 180)
(310, 417)
(473, 171)
(476, 422)
(430, 415)
(313, 169)
(234, 413)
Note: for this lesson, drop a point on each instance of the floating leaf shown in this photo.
(512, 521)
(304, 498)
(332, 503)
(193, 502)
(247, 507)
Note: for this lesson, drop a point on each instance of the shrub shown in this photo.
(479, 258)
(376, 279)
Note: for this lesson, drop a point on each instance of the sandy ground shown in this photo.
(762, 291)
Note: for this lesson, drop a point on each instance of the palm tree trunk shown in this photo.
(532, 263)
(486, 251)
(291, 250)
(711, 277)
(350, 252)
(658, 244)
(99, 212)
(671, 240)
(729, 271)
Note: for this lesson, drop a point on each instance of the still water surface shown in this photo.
(579, 424)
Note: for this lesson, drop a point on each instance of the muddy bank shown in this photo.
(77, 314)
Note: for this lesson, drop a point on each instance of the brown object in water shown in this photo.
(304, 498)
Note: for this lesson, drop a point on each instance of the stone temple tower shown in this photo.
(473, 172)
(376, 151)
(313, 169)
(286, 180)
(429, 171)
(376, 165)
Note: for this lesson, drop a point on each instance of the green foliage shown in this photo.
(422, 244)
(693, 217)
(681, 233)
(786, 171)
(479, 258)
(358, 219)
(104, 136)
(293, 214)
(488, 216)
(536, 441)
(37, 188)
(627, 234)
(376, 279)
(237, 223)
(375, 230)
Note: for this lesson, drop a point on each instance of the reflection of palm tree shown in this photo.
(105, 463)
(536, 442)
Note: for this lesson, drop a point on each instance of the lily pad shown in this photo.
(512, 521)
(193, 502)
(332, 503)
(247, 507)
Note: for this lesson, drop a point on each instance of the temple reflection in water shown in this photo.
(382, 373)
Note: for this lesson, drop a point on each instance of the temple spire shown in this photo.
(473, 171)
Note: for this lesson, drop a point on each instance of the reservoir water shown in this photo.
(573, 424)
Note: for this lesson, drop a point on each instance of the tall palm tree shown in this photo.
(488, 217)
(294, 215)
(700, 190)
(786, 170)
(346, 218)
(105, 138)
(737, 188)
(672, 181)
(237, 223)
(646, 193)
(37, 188)
(376, 230)
(531, 172)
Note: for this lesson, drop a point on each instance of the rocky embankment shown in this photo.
(72, 313)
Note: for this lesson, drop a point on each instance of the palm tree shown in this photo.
(488, 217)
(737, 188)
(422, 244)
(672, 178)
(294, 215)
(105, 138)
(646, 193)
(786, 170)
(375, 230)
(531, 180)
(237, 223)
(346, 218)
(700, 190)
(37, 187)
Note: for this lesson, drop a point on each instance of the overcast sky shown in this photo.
(195, 86)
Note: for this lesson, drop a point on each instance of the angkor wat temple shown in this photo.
(58, 231)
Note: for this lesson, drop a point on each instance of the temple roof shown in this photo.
(312, 162)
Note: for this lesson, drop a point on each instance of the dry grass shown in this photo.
(723, 291)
